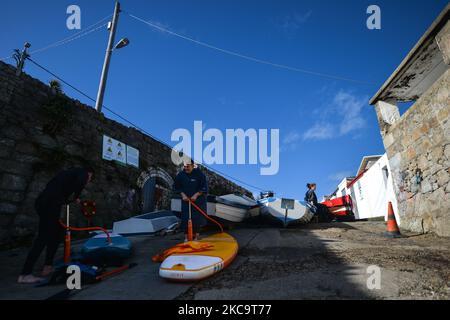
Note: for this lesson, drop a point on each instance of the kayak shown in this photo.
(196, 260)
(97, 250)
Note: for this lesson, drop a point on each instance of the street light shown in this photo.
(122, 43)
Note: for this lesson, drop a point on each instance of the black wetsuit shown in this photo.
(48, 207)
(190, 184)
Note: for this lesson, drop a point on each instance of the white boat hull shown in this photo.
(271, 208)
(232, 208)
(228, 213)
(145, 224)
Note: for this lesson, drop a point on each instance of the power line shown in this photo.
(136, 126)
(70, 38)
(250, 58)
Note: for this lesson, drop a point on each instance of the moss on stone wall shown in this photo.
(57, 114)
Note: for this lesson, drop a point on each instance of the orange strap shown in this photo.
(87, 229)
(182, 248)
(203, 213)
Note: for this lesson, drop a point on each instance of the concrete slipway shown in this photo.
(316, 261)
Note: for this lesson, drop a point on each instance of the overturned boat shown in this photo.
(251, 204)
(146, 223)
(285, 211)
(228, 208)
(340, 208)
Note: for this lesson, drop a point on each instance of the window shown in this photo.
(385, 172)
(358, 184)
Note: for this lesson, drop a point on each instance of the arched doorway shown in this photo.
(155, 184)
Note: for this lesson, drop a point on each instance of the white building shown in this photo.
(371, 189)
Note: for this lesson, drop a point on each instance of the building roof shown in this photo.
(423, 65)
(367, 162)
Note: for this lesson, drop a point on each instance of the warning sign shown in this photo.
(114, 150)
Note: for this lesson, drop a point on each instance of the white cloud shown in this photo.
(319, 131)
(338, 176)
(290, 141)
(345, 110)
(292, 22)
(351, 107)
(291, 137)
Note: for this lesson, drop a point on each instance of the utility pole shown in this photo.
(20, 59)
(104, 76)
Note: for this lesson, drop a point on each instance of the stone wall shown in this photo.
(418, 147)
(42, 132)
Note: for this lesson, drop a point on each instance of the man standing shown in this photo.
(191, 184)
(48, 205)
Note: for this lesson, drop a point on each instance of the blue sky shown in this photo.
(162, 82)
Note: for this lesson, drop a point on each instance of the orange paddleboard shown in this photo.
(196, 260)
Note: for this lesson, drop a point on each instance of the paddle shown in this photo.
(190, 231)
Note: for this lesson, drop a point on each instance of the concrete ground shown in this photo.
(316, 261)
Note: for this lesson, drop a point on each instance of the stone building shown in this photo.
(43, 131)
(418, 142)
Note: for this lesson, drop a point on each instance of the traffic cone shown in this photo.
(392, 228)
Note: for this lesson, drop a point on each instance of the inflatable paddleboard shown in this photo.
(99, 251)
(196, 260)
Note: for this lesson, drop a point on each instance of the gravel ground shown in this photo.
(310, 262)
(315, 261)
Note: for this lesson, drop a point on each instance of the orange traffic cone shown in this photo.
(392, 228)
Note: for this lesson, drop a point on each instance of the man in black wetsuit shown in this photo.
(48, 205)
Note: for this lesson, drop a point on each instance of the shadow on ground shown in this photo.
(291, 263)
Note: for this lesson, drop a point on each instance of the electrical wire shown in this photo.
(139, 128)
(246, 57)
(70, 38)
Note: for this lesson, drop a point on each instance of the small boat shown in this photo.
(274, 209)
(175, 204)
(251, 204)
(99, 251)
(340, 207)
(228, 208)
(340, 201)
(196, 260)
(146, 223)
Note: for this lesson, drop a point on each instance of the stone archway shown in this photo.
(156, 185)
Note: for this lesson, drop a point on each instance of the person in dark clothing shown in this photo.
(66, 184)
(310, 196)
(191, 183)
(320, 211)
